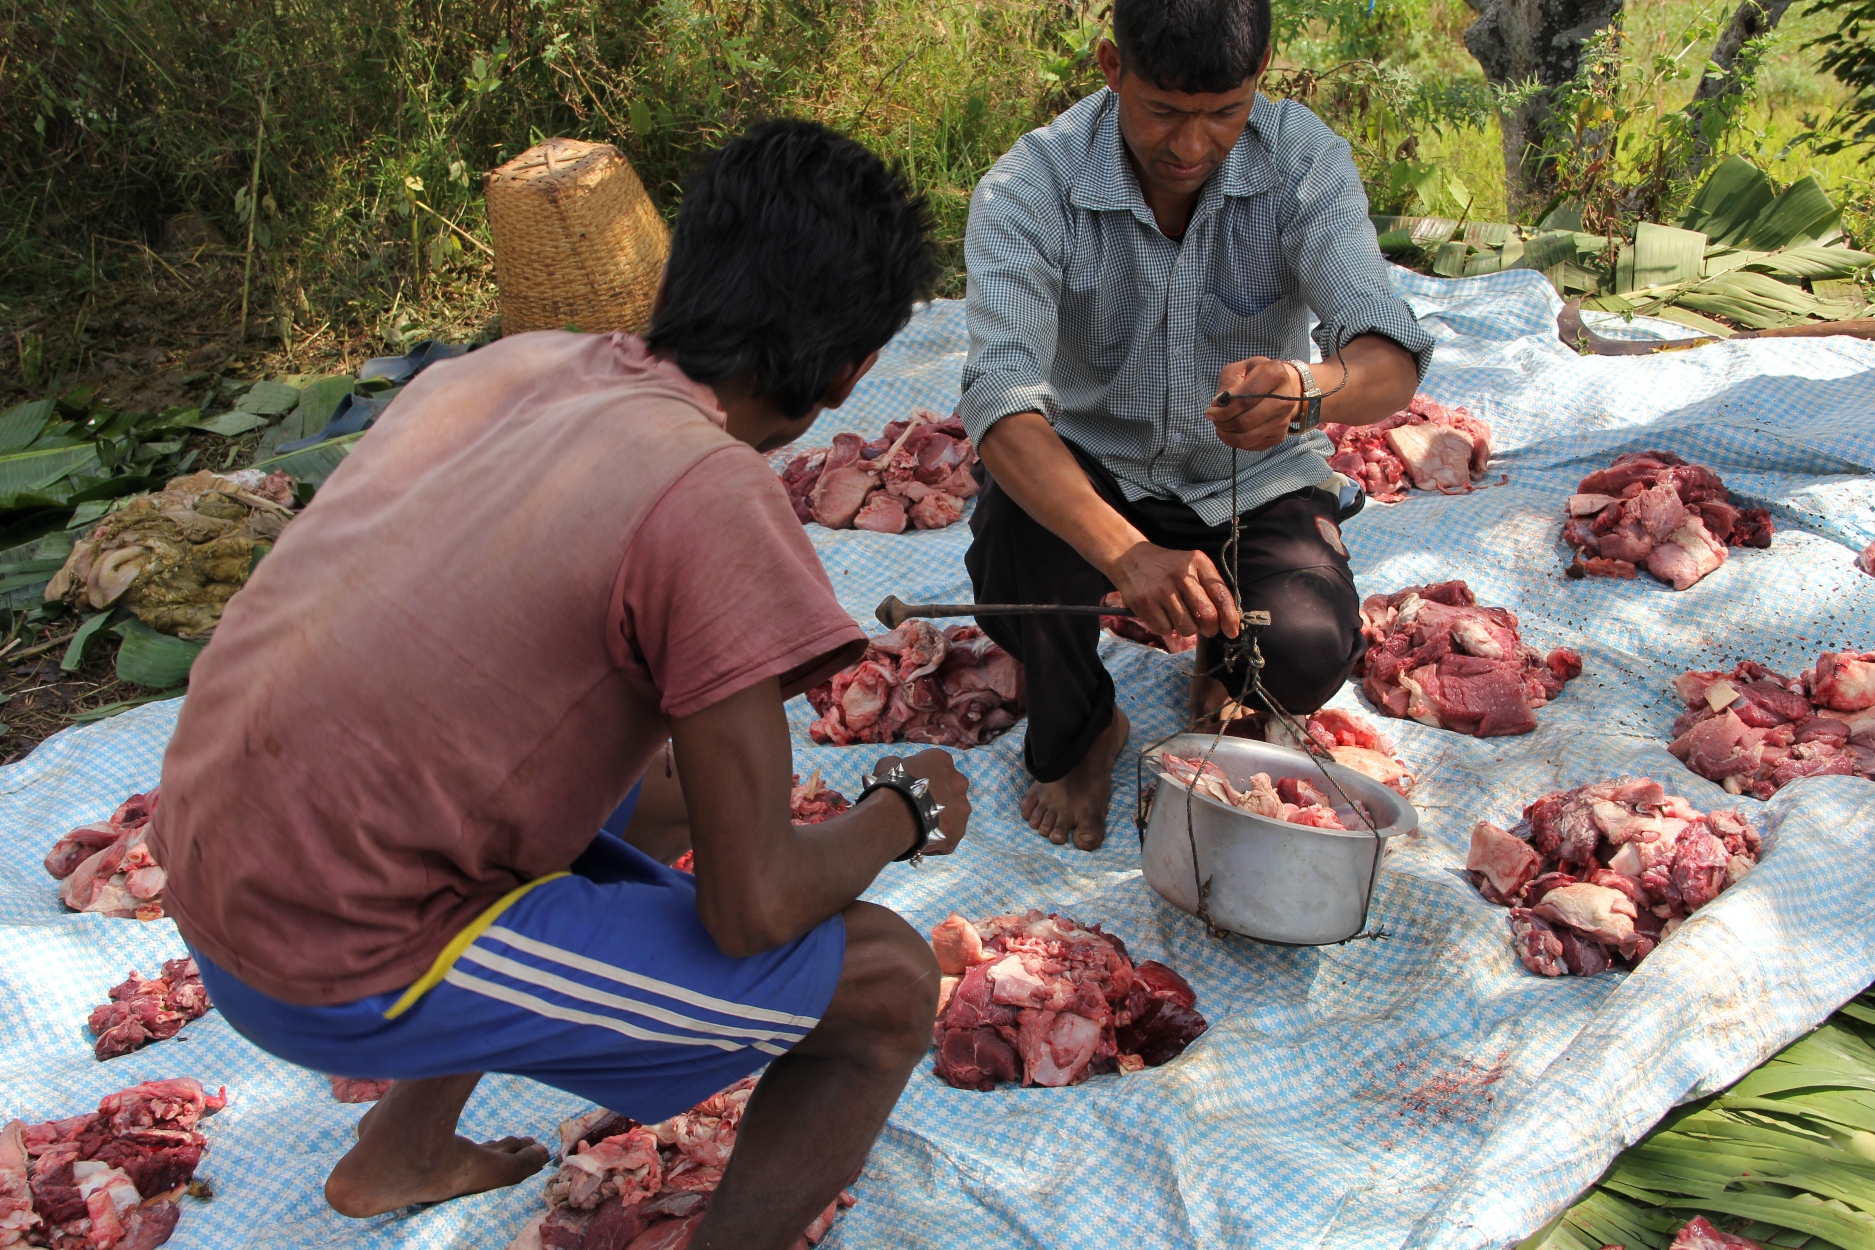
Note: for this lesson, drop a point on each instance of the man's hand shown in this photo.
(1256, 424)
(949, 788)
(1174, 592)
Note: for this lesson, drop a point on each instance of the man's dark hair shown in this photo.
(796, 252)
(1197, 46)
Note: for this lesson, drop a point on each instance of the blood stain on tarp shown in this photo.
(1429, 1094)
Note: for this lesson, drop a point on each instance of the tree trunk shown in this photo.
(1516, 40)
(1717, 91)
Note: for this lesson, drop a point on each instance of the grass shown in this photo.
(124, 119)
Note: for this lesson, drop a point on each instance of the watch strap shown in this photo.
(1311, 414)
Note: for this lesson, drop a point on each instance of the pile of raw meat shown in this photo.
(918, 470)
(945, 687)
(627, 1186)
(1606, 872)
(176, 556)
(1652, 510)
(106, 867)
(109, 1180)
(1135, 630)
(1866, 561)
(1354, 742)
(1425, 446)
(1042, 1000)
(1436, 657)
(357, 1089)
(1291, 799)
(149, 1010)
(1754, 731)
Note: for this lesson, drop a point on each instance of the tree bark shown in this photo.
(1753, 19)
(1516, 40)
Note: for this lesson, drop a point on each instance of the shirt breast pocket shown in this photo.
(1277, 328)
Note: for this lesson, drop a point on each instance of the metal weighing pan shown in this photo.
(1268, 879)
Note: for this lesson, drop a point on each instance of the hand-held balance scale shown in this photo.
(1236, 871)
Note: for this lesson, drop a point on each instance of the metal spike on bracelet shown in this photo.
(917, 792)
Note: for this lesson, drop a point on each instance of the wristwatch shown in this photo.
(1311, 414)
(925, 809)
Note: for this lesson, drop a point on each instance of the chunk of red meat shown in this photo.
(882, 513)
(357, 1089)
(975, 1058)
(1653, 510)
(1501, 865)
(1537, 944)
(1436, 447)
(1436, 657)
(1843, 682)
(1700, 1234)
(920, 684)
(1617, 858)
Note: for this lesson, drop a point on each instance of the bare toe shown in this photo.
(1089, 836)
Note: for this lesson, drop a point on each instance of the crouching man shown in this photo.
(380, 806)
(1164, 241)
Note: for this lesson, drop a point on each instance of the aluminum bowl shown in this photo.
(1268, 879)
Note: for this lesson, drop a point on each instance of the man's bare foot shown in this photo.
(375, 1177)
(1076, 806)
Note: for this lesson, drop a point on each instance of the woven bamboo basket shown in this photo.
(577, 240)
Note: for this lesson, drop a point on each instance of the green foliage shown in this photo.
(381, 117)
(1785, 1157)
(1848, 53)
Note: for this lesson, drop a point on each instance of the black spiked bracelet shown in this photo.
(917, 792)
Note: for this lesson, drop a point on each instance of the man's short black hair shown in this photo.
(796, 252)
(1197, 46)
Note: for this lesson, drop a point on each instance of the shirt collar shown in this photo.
(1105, 180)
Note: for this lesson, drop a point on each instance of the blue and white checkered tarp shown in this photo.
(1419, 1089)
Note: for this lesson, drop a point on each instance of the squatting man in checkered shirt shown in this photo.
(1162, 241)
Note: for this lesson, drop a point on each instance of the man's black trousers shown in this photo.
(1290, 564)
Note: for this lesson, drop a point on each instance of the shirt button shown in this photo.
(1178, 436)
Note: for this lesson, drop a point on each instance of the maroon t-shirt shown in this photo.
(463, 653)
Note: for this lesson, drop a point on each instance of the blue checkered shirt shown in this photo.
(1080, 309)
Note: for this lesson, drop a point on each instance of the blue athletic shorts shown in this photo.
(602, 983)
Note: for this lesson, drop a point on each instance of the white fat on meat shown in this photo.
(1506, 861)
(1686, 555)
(17, 1216)
(1472, 637)
(1589, 505)
(1055, 1046)
(1603, 914)
(1437, 457)
(1014, 985)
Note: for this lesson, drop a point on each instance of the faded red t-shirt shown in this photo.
(463, 653)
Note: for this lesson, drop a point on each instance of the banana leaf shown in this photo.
(1660, 256)
(112, 709)
(1449, 260)
(1546, 250)
(156, 660)
(269, 399)
(310, 464)
(318, 398)
(22, 423)
(82, 639)
(1802, 213)
(1780, 1155)
(1730, 202)
(1811, 261)
(229, 424)
(26, 476)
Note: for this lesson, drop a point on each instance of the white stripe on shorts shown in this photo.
(639, 981)
(553, 1011)
(574, 989)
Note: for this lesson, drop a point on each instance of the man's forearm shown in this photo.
(1029, 461)
(1381, 378)
(761, 879)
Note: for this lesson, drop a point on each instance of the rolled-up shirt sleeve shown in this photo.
(1013, 249)
(1331, 248)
